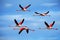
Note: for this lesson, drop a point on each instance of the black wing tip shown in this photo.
(35, 12)
(30, 4)
(47, 11)
(14, 19)
(44, 21)
(27, 31)
(19, 33)
(19, 4)
(53, 21)
(23, 19)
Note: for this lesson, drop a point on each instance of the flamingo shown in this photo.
(44, 14)
(49, 26)
(18, 24)
(25, 28)
(24, 8)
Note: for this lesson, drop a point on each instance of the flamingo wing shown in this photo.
(37, 13)
(20, 31)
(21, 22)
(46, 12)
(20, 6)
(27, 6)
(46, 24)
(15, 21)
(52, 23)
(27, 30)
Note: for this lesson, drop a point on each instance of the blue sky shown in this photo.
(8, 13)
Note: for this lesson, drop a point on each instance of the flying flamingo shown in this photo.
(24, 8)
(40, 14)
(50, 26)
(18, 24)
(25, 28)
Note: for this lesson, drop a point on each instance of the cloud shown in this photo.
(56, 13)
(29, 18)
(10, 17)
(19, 17)
(4, 28)
(49, 4)
(34, 25)
(49, 38)
(8, 38)
(8, 5)
(9, 28)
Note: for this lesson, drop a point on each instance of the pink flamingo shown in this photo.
(25, 28)
(49, 26)
(18, 24)
(24, 8)
(39, 14)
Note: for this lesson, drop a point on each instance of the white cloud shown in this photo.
(8, 5)
(19, 17)
(4, 28)
(9, 28)
(34, 25)
(28, 18)
(49, 4)
(11, 17)
(8, 38)
(49, 38)
(54, 13)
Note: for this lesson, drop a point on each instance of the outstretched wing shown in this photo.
(15, 21)
(37, 13)
(20, 31)
(20, 6)
(27, 30)
(52, 23)
(27, 6)
(21, 22)
(46, 24)
(46, 12)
